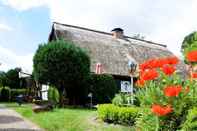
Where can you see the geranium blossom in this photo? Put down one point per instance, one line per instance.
(150, 74)
(194, 75)
(140, 83)
(158, 63)
(168, 69)
(192, 56)
(161, 110)
(172, 91)
(173, 60)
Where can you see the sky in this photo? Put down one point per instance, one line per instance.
(24, 24)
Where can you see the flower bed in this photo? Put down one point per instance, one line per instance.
(166, 101)
(167, 96)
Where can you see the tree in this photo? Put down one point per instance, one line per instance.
(63, 65)
(189, 43)
(13, 80)
(3, 79)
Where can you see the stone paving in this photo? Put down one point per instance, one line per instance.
(10, 120)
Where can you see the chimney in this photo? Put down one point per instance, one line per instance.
(118, 33)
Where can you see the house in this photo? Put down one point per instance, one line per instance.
(111, 50)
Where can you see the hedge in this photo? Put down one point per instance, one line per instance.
(5, 94)
(103, 87)
(115, 114)
(16, 92)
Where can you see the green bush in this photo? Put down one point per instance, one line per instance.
(125, 100)
(103, 88)
(115, 114)
(5, 94)
(65, 66)
(16, 92)
(53, 95)
(191, 121)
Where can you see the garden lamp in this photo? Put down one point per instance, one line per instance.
(132, 68)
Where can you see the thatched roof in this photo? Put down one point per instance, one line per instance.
(110, 52)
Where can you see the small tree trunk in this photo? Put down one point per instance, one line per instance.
(61, 93)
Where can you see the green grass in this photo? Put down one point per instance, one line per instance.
(67, 119)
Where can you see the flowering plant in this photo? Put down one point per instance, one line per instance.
(164, 92)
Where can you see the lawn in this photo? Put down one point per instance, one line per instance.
(67, 119)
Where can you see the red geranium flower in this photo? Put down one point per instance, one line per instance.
(173, 60)
(194, 75)
(140, 82)
(149, 74)
(161, 110)
(149, 64)
(168, 69)
(192, 56)
(171, 91)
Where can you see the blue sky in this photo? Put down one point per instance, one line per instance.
(28, 28)
(26, 23)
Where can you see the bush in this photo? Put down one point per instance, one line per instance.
(5, 94)
(53, 95)
(124, 100)
(103, 88)
(191, 121)
(16, 92)
(115, 114)
(65, 66)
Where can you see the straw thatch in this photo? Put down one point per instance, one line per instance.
(110, 52)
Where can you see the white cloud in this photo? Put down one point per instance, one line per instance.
(9, 60)
(22, 5)
(4, 27)
(163, 21)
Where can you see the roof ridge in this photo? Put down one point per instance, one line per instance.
(106, 33)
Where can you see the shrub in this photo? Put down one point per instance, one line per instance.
(53, 95)
(5, 94)
(191, 121)
(103, 88)
(16, 92)
(124, 100)
(65, 66)
(116, 114)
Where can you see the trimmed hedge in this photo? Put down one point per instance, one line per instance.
(115, 114)
(5, 94)
(16, 92)
(103, 87)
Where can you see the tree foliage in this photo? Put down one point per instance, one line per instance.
(3, 79)
(10, 78)
(13, 80)
(189, 43)
(61, 64)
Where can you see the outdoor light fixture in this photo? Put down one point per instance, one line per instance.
(90, 95)
(132, 68)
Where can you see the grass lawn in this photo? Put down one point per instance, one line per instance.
(67, 119)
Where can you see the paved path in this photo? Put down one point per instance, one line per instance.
(10, 120)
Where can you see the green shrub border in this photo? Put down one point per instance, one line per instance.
(118, 115)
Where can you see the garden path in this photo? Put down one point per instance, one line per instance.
(10, 120)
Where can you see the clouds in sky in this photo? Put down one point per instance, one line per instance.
(162, 21)
(4, 27)
(11, 60)
(22, 5)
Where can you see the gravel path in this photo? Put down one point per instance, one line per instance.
(10, 120)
